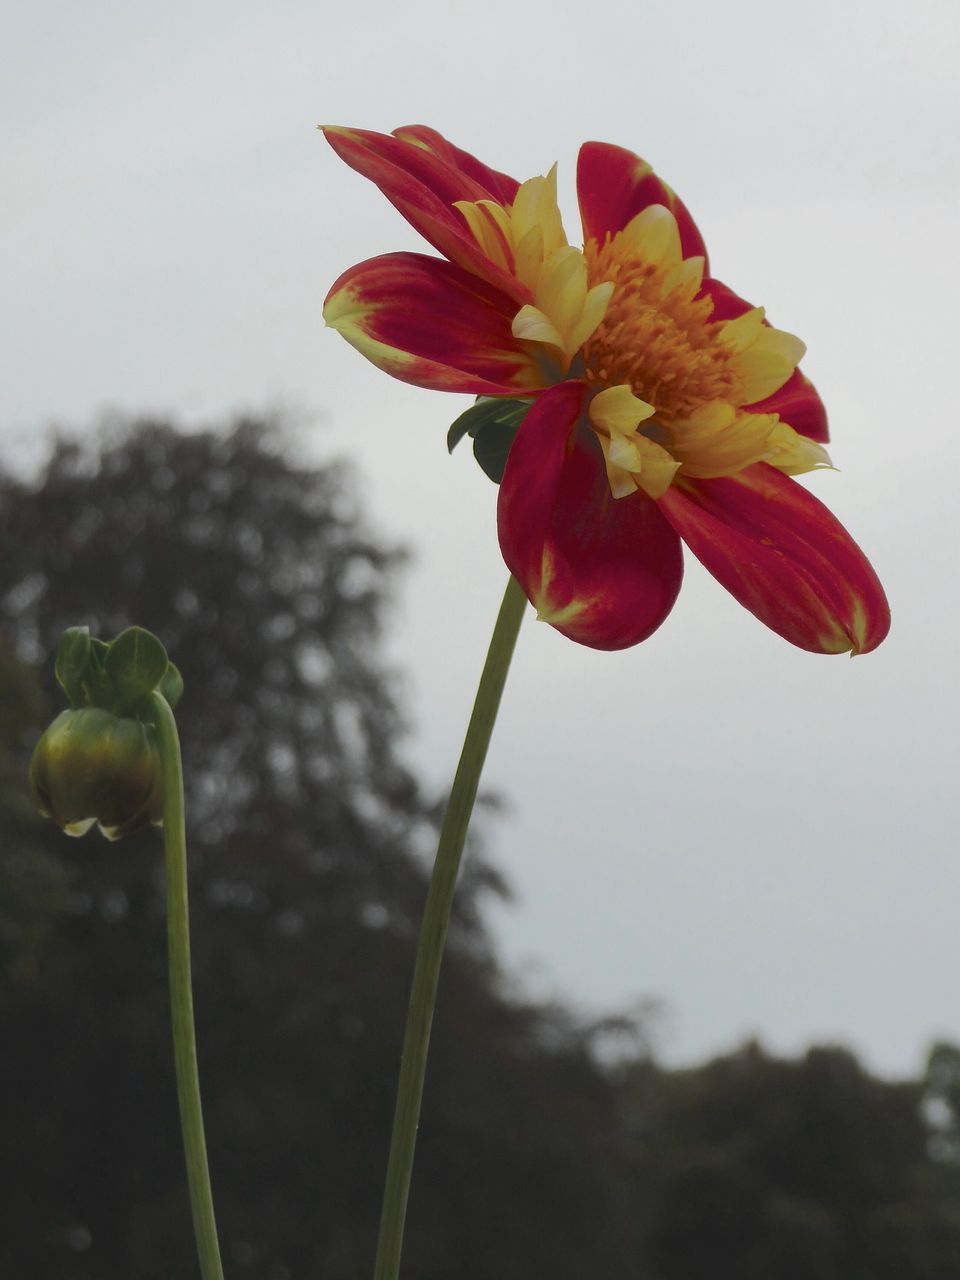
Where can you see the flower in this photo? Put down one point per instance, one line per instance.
(662, 407)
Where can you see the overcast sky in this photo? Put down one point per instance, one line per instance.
(763, 839)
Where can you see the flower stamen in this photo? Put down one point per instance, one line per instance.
(658, 339)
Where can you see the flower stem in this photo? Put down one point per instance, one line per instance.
(433, 931)
(181, 995)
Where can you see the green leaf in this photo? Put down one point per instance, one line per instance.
(98, 691)
(73, 655)
(488, 411)
(492, 423)
(171, 686)
(491, 446)
(98, 652)
(135, 663)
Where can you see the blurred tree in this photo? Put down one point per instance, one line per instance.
(307, 838)
(306, 832)
(803, 1170)
(34, 881)
(942, 1101)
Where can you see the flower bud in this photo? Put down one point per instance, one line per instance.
(94, 766)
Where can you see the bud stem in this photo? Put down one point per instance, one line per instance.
(433, 931)
(181, 994)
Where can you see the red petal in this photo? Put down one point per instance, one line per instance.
(784, 557)
(423, 187)
(727, 305)
(604, 571)
(431, 323)
(798, 404)
(501, 186)
(614, 185)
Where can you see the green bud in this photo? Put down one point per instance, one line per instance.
(92, 766)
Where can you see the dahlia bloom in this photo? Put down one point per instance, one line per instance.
(662, 407)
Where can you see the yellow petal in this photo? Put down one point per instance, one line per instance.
(562, 291)
(528, 257)
(683, 280)
(717, 440)
(633, 461)
(743, 331)
(778, 342)
(535, 205)
(654, 234)
(763, 369)
(794, 454)
(594, 309)
(622, 481)
(617, 410)
(765, 357)
(531, 325)
(80, 827)
(657, 468)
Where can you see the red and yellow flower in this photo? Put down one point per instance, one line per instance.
(663, 406)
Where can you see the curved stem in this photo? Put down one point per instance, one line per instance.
(181, 994)
(433, 931)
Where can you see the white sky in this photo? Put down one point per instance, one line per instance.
(761, 838)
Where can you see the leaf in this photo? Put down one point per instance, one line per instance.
(73, 656)
(98, 652)
(135, 663)
(97, 689)
(488, 411)
(492, 423)
(171, 686)
(491, 446)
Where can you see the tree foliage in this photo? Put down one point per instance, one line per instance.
(805, 1170)
(308, 834)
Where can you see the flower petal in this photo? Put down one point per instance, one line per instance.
(766, 357)
(604, 571)
(431, 323)
(727, 305)
(424, 187)
(783, 555)
(799, 405)
(501, 186)
(797, 402)
(614, 185)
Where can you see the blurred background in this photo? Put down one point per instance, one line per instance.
(699, 857)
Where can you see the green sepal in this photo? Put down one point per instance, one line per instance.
(491, 446)
(492, 423)
(171, 686)
(117, 677)
(97, 689)
(73, 655)
(135, 664)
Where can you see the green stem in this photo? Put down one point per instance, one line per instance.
(181, 994)
(433, 931)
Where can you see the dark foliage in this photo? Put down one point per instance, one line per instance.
(803, 1170)
(306, 832)
(307, 839)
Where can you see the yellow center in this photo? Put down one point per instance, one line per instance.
(670, 382)
(655, 337)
